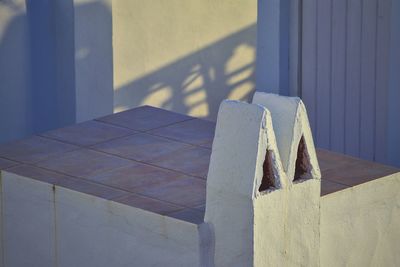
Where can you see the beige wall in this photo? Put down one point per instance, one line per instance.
(184, 56)
(360, 225)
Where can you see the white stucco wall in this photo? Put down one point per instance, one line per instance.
(360, 225)
(46, 225)
(286, 224)
(186, 56)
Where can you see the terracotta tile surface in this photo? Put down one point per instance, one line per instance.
(201, 208)
(189, 215)
(95, 189)
(83, 163)
(207, 145)
(195, 131)
(144, 118)
(141, 147)
(5, 163)
(67, 181)
(39, 174)
(348, 170)
(331, 160)
(192, 160)
(149, 204)
(160, 171)
(33, 149)
(328, 187)
(186, 191)
(135, 175)
(88, 133)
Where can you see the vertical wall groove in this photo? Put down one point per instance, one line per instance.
(330, 76)
(344, 74)
(346, 28)
(375, 74)
(359, 95)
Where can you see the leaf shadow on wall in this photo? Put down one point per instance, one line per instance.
(196, 84)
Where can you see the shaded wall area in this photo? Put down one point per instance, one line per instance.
(36, 74)
(55, 64)
(15, 95)
(93, 56)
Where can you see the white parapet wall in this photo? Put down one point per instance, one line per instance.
(272, 206)
(263, 208)
(360, 226)
(299, 160)
(244, 139)
(46, 225)
(294, 136)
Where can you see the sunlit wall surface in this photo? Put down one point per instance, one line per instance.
(185, 56)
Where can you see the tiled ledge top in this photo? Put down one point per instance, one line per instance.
(149, 158)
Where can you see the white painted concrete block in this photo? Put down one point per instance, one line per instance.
(96, 232)
(360, 225)
(28, 222)
(243, 136)
(291, 125)
(297, 150)
(251, 225)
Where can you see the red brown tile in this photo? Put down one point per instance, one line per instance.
(328, 187)
(83, 163)
(192, 160)
(111, 170)
(135, 175)
(207, 145)
(144, 118)
(69, 182)
(189, 215)
(332, 160)
(88, 133)
(357, 173)
(187, 191)
(201, 208)
(149, 204)
(195, 131)
(94, 189)
(141, 147)
(39, 174)
(34, 149)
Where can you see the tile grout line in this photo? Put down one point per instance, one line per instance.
(129, 128)
(101, 184)
(87, 146)
(34, 164)
(93, 148)
(180, 141)
(147, 163)
(201, 145)
(335, 182)
(102, 152)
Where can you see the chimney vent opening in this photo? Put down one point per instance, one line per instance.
(303, 165)
(268, 179)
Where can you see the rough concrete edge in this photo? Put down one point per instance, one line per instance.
(300, 128)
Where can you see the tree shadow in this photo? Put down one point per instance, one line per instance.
(196, 84)
(43, 57)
